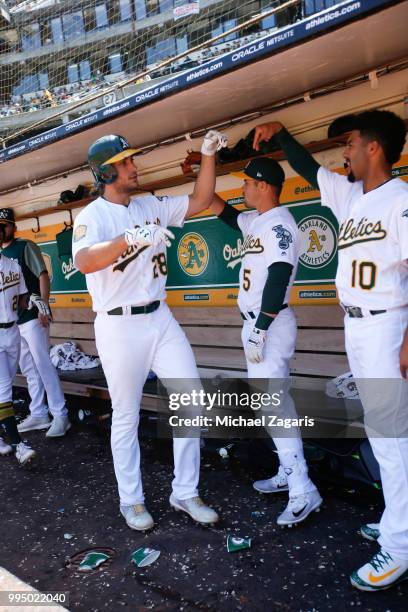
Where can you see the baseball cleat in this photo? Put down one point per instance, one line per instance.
(370, 531)
(59, 427)
(382, 572)
(276, 484)
(5, 449)
(31, 423)
(196, 508)
(137, 517)
(299, 508)
(24, 454)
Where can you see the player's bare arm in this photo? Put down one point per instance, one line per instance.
(264, 132)
(298, 157)
(100, 256)
(103, 254)
(23, 300)
(204, 187)
(44, 281)
(404, 356)
(217, 205)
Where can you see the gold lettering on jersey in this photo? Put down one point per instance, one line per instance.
(131, 253)
(234, 255)
(9, 280)
(251, 245)
(352, 232)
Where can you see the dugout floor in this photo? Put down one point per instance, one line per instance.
(72, 490)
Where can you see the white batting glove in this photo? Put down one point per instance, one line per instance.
(213, 142)
(43, 308)
(148, 235)
(255, 345)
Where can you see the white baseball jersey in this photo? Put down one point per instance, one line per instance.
(11, 286)
(139, 276)
(268, 238)
(372, 271)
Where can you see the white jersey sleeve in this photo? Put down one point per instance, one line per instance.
(245, 219)
(281, 244)
(172, 210)
(402, 229)
(86, 230)
(334, 190)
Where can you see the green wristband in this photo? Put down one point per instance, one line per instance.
(264, 321)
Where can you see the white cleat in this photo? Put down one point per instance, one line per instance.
(299, 508)
(137, 517)
(24, 454)
(276, 484)
(196, 508)
(381, 572)
(59, 427)
(31, 423)
(370, 531)
(5, 449)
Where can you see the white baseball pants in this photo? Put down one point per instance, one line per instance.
(279, 349)
(373, 345)
(36, 366)
(129, 346)
(9, 353)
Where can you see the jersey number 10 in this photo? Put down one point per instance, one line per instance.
(366, 271)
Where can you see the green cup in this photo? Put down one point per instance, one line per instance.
(145, 556)
(234, 543)
(91, 561)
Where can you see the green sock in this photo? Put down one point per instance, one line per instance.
(8, 420)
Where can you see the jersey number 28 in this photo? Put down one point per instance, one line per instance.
(159, 265)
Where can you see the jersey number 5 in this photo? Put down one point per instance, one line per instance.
(366, 272)
(159, 265)
(246, 280)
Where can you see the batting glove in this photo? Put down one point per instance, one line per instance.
(255, 345)
(213, 142)
(148, 235)
(43, 308)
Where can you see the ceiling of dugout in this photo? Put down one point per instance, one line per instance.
(351, 50)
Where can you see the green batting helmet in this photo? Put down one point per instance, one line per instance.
(105, 152)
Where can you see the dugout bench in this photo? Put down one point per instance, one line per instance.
(215, 336)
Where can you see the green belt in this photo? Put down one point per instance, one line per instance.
(6, 325)
(134, 310)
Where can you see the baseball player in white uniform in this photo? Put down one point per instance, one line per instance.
(269, 262)
(119, 243)
(372, 281)
(13, 295)
(35, 361)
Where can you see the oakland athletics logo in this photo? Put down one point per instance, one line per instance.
(318, 240)
(193, 254)
(284, 236)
